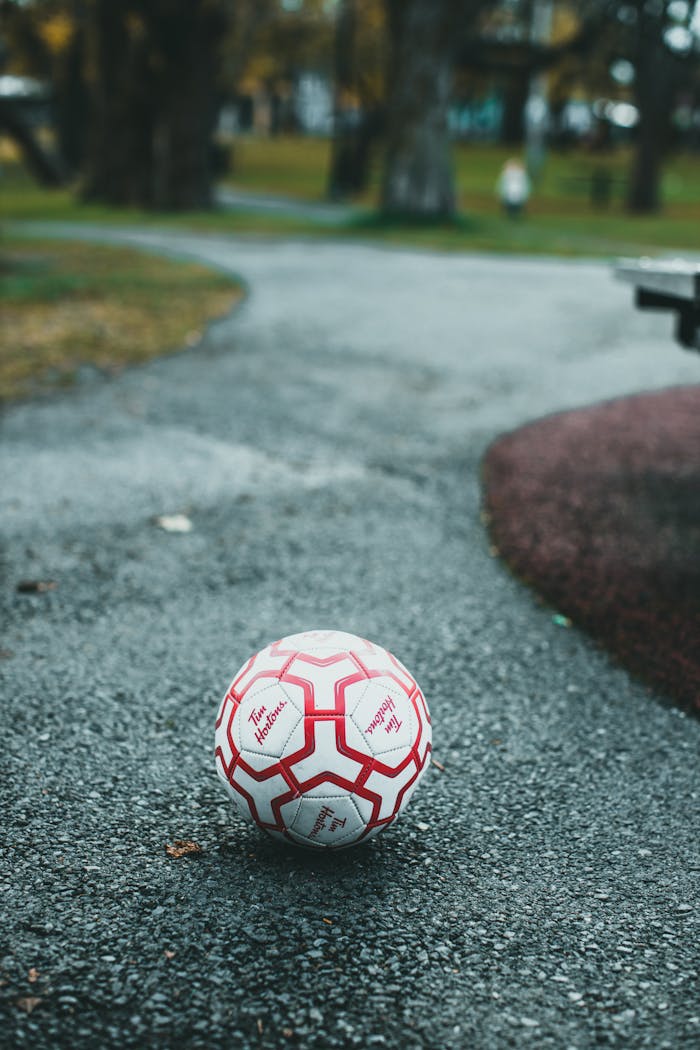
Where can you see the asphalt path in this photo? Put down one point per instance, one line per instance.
(326, 214)
(542, 888)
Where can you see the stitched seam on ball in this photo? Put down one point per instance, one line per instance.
(324, 798)
(300, 713)
(285, 667)
(349, 714)
(377, 754)
(399, 747)
(289, 823)
(270, 754)
(387, 751)
(274, 684)
(355, 831)
(395, 690)
(291, 734)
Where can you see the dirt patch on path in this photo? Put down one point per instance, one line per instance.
(599, 511)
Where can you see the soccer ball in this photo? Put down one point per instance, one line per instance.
(321, 739)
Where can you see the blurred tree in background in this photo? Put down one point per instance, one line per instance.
(136, 85)
(659, 44)
(153, 72)
(424, 36)
(135, 89)
(269, 45)
(360, 74)
(46, 40)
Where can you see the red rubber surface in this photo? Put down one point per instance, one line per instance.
(599, 511)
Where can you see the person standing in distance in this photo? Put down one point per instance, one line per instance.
(513, 188)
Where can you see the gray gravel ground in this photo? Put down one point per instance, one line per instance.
(325, 441)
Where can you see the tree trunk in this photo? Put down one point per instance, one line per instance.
(418, 178)
(71, 100)
(154, 108)
(353, 139)
(654, 91)
(343, 174)
(514, 102)
(357, 122)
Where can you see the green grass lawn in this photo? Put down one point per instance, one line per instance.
(560, 219)
(67, 305)
(297, 167)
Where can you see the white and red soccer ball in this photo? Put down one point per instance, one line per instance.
(322, 738)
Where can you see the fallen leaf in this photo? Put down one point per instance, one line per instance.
(174, 523)
(168, 954)
(29, 1003)
(287, 1033)
(260, 1026)
(32, 975)
(328, 922)
(36, 586)
(182, 847)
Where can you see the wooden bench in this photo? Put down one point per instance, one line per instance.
(667, 285)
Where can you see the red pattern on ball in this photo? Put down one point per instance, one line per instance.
(295, 667)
